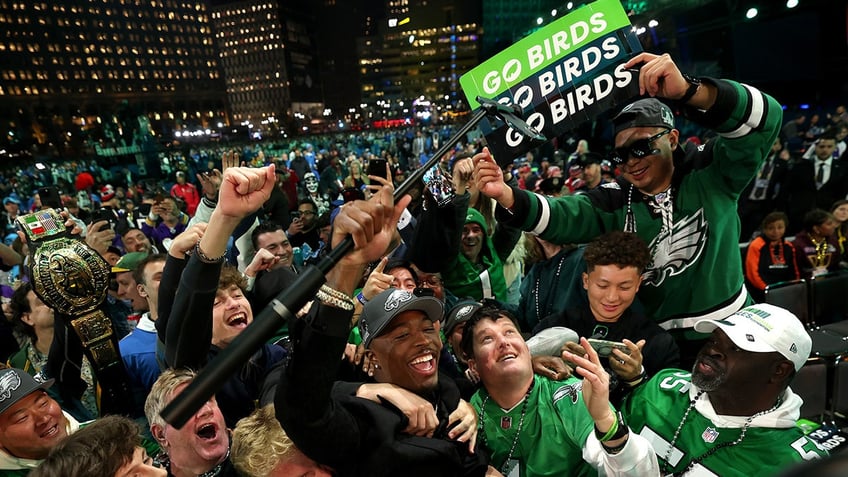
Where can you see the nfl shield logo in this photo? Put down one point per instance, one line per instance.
(710, 435)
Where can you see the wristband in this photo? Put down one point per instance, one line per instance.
(361, 298)
(617, 431)
(694, 84)
(204, 258)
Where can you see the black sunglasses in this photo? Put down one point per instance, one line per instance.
(638, 149)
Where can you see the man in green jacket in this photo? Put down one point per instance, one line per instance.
(680, 201)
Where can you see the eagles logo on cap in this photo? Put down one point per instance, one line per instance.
(397, 298)
(9, 382)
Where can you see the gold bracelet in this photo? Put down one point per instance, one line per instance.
(333, 300)
(335, 293)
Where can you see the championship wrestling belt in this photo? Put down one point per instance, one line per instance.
(72, 278)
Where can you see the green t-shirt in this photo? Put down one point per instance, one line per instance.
(555, 428)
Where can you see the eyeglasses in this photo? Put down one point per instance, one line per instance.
(306, 212)
(638, 149)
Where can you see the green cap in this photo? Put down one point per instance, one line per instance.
(129, 262)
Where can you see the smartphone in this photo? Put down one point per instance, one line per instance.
(107, 214)
(604, 347)
(377, 167)
(50, 198)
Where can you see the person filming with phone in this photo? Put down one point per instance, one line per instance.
(636, 347)
(303, 228)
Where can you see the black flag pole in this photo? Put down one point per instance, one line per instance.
(213, 376)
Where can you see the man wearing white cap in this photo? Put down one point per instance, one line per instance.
(734, 414)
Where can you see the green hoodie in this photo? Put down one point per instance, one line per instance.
(486, 280)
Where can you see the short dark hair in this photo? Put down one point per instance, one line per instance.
(773, 217)
(623, 249)
(487, 312)
(100, 448)
(264, 227)
(138, 273)
(307, 201)
(816, 217)
(20, 305)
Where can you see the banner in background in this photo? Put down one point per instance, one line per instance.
(564, 74)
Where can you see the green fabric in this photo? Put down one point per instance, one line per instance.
(699, 269)
(657, 408)
(556, 426)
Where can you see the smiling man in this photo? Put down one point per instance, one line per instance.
(680, 201)
(361, 430)
(31, 422)
(534, 426)
(734, 414)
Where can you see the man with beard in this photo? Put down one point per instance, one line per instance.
(303, 228)
(734, 414)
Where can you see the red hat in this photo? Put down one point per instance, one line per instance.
(83, 181)
(107, 192)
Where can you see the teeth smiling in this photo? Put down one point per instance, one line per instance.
(241, 317)
(422, 359)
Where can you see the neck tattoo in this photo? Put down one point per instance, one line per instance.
(666, 466)
(482, 431)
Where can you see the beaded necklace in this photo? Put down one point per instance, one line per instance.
(666, 466)
(482, 425)
(553, 287)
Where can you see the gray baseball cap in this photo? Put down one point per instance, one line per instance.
(383, 308)
(648, 112)
(16, 384)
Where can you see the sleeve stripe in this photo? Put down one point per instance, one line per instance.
(756, 116)
(544, 215)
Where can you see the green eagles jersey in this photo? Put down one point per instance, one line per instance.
(554, 430)
(696, 268)
(771, 443)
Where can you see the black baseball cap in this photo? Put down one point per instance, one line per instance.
(383, 308)
(648, 112)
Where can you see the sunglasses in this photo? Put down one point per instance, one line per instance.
(638, 149)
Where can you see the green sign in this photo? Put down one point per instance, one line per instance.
(541, 49)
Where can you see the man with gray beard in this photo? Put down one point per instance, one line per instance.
(734, 414)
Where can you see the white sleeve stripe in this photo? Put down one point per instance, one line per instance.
(545, 218)
(754, 119)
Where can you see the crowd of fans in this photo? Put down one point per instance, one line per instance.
(532, 317)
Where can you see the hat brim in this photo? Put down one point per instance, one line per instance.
(428, 305)
(737, 333)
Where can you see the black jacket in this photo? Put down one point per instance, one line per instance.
(355, 436)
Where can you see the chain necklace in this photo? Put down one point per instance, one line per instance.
(666, 465)
(482, 430)
(552, 288)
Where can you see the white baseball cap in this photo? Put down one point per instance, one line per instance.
(763, 328)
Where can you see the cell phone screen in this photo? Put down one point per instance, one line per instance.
(377, 167)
